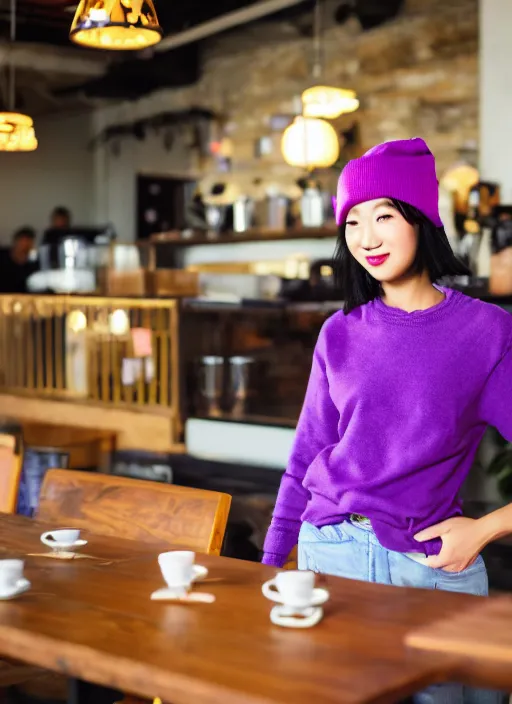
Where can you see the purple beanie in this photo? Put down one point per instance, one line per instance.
(405, 170)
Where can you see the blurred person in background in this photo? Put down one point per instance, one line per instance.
(15, 264)
(60, 224)
(60, 218)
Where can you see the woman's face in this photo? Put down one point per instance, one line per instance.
(381, 240)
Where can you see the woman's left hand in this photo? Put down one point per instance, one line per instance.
(463, 540)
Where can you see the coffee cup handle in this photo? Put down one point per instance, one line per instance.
(269, 592)
(45, 538)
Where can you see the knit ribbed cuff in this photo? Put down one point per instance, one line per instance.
(281, 538)
(274, 559)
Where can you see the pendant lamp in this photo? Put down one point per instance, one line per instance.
(118, 25)
(328, 102)
(310, 143)
(16, 130)
(323, 101)
(17, 133)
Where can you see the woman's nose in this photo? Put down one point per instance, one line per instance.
(369, 239)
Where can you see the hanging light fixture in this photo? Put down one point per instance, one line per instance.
(310, 143)
(16, 130)
(119, 25)
(328, 102)
(323, 101)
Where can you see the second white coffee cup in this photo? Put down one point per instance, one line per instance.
(178, 569)
(12, 580)
(62, 538)
(294, 588)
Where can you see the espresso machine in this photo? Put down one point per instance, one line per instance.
(69, 260)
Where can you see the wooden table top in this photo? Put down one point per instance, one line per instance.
(93, 619)
(484, 631)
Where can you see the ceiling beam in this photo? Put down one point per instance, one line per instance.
(44, 58)
(225, 22)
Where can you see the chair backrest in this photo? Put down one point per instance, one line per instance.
(151, 512)
(11, 463)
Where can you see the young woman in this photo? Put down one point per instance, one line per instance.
(403, 384)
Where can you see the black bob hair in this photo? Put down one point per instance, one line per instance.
(434, 254)
(26, 231)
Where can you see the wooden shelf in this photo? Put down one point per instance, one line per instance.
(251, 419)
(265, 308)
(256, 235)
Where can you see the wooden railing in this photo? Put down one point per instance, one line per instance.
(110, 351)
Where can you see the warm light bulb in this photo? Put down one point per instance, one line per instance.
(17, 133)
(459, 180)
(119, 322)
(310, 143)
(77, 321)
(328, 102)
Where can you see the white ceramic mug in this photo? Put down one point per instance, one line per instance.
(177, 568)
(11, 575)
(293, 588)
(63, 538)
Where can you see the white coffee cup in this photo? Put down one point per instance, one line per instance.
(293, 588)
(177, 568)
(63, 538)
(11, 575)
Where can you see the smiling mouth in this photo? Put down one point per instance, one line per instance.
(377, 261)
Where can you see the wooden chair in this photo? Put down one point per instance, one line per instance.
(105, 504)
(11, 463)
(150, 512)
(85, 447)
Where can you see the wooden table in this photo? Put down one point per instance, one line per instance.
(483, 631)
(93, 620)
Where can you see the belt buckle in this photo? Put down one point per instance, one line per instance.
(357, 518)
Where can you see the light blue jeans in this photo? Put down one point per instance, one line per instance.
(352, 550)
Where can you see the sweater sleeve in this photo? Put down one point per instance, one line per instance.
(496, 399)
(317, 432)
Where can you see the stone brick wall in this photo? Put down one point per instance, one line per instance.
(416, 75)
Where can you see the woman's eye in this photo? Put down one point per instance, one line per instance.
(384, 217)
(351, 223)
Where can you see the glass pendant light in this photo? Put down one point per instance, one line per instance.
(118, 25)
(16, 130)
(17, 133)
(323, 101)
(310, 143)
(328, 102)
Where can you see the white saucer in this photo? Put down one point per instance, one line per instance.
(68, 547)
(22, 586)
(200, 572)
(287, 618)
(166, 594)
(181, 592)
(319, 597)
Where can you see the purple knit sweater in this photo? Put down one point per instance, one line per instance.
(396, 406)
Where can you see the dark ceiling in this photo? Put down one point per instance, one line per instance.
(48, 21)
(128, 78)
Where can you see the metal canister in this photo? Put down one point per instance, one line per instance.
(243, 214)
(277, 212)
(312, 208)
